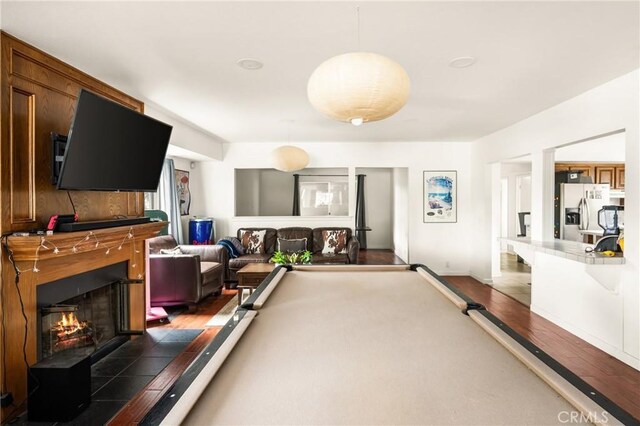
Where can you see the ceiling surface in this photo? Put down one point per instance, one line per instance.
(181, 56)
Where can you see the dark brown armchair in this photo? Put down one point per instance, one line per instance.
(186, 276)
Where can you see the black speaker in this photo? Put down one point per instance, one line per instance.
(59, 387)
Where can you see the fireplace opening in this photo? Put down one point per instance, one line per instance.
(84, 313)
(85, 321)
(81, 319)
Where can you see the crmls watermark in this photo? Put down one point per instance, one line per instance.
(577, 417)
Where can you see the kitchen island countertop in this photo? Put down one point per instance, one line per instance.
(572, 250)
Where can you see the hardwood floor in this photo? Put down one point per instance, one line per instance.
(611, 377)
(378, 257)
(614, 379)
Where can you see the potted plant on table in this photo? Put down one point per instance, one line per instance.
(280, 258)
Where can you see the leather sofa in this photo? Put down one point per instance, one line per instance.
(186, 276)
(315, 244)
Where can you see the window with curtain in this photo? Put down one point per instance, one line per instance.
(269, 192)
(324, 198)
(168, 199)
(150, 200)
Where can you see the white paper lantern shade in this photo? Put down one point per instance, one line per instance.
(289, 158)
(359, 87)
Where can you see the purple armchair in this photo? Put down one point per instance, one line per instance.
(186, 276)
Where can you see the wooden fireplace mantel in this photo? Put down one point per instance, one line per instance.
(42, 247)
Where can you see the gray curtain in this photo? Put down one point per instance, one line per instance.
(361, 223)
(168, 199)
(296, 195)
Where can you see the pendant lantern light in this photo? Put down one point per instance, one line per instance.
(358, 87)
(289, 158)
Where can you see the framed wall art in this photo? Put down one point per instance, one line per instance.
(440, 201)
(184, 195)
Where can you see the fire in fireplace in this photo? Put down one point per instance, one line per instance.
(83, 311)
(68, 332)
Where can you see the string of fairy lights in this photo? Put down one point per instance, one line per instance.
(91, 240)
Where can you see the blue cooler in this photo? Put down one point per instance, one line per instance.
(201, 231)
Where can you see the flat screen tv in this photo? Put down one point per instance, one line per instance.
(112, 148)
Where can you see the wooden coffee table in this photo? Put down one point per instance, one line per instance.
(251, 276)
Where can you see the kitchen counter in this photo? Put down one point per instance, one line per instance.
(584, 293)
(571, 250)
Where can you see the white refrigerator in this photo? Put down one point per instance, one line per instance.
(579, 205)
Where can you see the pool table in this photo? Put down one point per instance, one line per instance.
(351, 344)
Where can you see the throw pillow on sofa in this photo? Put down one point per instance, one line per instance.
(253, 241)
(335, 241)
(292, 246)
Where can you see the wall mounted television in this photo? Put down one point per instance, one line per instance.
(112, 148)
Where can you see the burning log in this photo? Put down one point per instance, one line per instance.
(68, 333)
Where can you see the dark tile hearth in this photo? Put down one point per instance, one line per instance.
(166, 349)
(147, 366)
(182, 335)
(121, 388)
(98, 382)
(123, 373)
(110, 366)
(97, 414)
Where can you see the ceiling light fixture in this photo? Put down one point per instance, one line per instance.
(250, 64)
(462, 62)
(288, 158)
(358, 87)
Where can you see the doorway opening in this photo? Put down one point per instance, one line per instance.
(514, 277)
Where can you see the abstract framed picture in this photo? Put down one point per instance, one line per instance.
(184, 195)
(440, 201)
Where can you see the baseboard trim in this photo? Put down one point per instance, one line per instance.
(482, 280)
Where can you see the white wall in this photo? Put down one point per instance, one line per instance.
(187, 137)
(401, 213)
(608, 149)
(378, 190)
(607, 108)
(433, 244)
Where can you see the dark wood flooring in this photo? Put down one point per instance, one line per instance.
(378, 257)
(611, 377)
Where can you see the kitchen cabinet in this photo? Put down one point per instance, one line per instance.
(613, 174)
(606, 174)
(586, 170)
(619, 178)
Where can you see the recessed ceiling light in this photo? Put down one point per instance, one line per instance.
(250, 64)
(462, 62)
